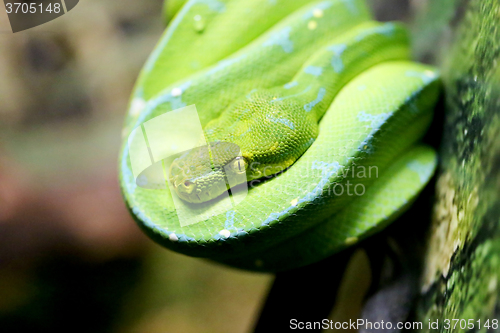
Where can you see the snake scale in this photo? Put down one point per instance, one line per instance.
(318, 107)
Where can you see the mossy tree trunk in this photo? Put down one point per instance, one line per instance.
(462, 266)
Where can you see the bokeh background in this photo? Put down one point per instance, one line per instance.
(71, 257)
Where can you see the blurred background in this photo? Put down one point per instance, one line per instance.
(70, 254)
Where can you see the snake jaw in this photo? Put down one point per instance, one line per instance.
(197, 188)
(207, 172)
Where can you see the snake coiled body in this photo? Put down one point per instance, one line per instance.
(326, 111)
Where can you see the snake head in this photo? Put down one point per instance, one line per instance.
(204, 173)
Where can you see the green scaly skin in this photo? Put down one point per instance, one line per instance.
(274, 127)
(317, 89)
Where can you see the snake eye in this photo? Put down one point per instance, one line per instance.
(238, 165)
(188, 186)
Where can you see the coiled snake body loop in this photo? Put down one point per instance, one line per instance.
(314, 103)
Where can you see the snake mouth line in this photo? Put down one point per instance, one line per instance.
(207, 172)
(189, 189)
(197, 190)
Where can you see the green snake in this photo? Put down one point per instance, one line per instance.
(316, 105)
